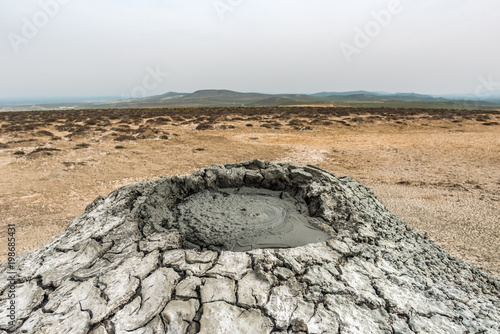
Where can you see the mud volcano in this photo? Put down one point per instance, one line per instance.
(253, 247)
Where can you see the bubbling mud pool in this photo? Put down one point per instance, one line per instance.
(246, 218)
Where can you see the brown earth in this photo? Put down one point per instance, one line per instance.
(437, 169)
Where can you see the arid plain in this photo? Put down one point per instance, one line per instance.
(439, 170)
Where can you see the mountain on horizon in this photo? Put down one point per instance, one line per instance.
(356, 92)
(230, 98)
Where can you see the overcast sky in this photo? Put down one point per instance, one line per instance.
(127, 47)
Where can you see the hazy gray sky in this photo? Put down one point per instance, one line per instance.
(104, 48)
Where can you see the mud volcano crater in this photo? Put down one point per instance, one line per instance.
(239, 209)
(241, 219)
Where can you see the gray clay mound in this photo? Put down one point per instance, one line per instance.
(253, 247)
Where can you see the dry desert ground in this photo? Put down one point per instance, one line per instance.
(439, 170)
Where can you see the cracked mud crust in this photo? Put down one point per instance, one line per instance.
(135, 262)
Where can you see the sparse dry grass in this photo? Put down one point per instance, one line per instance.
(438, 170)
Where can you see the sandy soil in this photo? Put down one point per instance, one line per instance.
(438, 171)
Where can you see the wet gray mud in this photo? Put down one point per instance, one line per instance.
(316, 254)
(242, 219)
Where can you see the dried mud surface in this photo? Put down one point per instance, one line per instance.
(117, 269)
(436, 169)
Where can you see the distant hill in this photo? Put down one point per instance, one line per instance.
(229, 98)
(362, 95)
(357, 92)
(274, 101)
(224, 94)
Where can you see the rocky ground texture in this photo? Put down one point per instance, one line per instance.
(119, 268)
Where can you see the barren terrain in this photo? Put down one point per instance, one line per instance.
(437, 169)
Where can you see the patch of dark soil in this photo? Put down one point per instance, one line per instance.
(125, 137)
(81, 145)
(44, 133)
(204, 126)
(44, 151)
